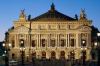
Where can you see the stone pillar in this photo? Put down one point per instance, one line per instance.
(89, 38)
(26, 42)
(49, 40)
(77, 39)
(68, 40)
(37, 40)
(29, 39)
(58, 41)
(15, 41)
(80, 40)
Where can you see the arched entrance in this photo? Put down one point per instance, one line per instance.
(72, 55)
(53, 55)
(43, 55)
(62, 54)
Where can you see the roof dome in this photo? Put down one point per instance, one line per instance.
(53, 15)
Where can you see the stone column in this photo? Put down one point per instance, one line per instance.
(58, 40)
(26, 42)
(77, 39)
(47, 43)
(68, 40)
(29, 40)
(15, 41)
(89, 38)
(80, 40)
(49, 40)
(37, 40)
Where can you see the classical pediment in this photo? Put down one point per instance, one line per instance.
(21, 28)
(85, 28)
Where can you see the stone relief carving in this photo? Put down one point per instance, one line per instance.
(21, 36)
(34, 36)
(62, 35)
(84, 28)
(21, 28)
(72, 35)
(52, 35)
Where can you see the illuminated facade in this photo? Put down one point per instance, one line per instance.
(51, 35)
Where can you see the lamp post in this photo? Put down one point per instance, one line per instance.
(7, 52)
(98, 49)
(22, 49)
(83, 52)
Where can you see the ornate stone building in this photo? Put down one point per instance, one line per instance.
(51, 35)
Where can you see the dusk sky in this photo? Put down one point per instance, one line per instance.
(11, 9)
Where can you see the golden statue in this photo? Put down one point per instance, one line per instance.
(83, 15)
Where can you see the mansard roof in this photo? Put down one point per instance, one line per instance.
(53, 15)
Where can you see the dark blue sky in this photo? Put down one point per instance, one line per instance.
(11, 9)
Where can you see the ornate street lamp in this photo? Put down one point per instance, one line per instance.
(83, 52)
(22, 49)
(98, 49)
(7, 52)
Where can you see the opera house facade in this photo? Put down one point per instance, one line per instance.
(52, 35)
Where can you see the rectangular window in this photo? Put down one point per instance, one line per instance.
(72, 42)
(43, 42)
(53, 43)
(62, 43)
(33, 43)
(13, 44)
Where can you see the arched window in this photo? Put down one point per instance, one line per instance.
(71, 55)
(53, 43)
(33, 43)
(43, 54)
(53, 55)
(62, 54)
(72, 43)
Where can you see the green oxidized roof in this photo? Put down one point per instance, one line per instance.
(53, 15)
